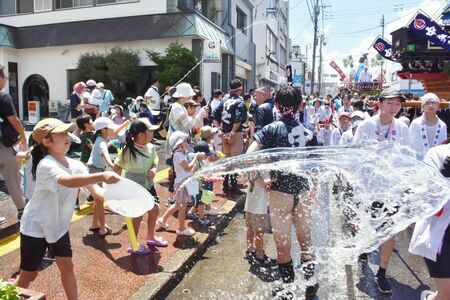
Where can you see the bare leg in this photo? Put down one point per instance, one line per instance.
(99, 210)
(259, 244)
(25, 278)
(95, 223)
(201, 211)
(250, 240)
(386, 252)
(182, 216)
(302, 223)
(281, 216)
(151, 222)
(137, 224)
(170, 211)
(69, 282)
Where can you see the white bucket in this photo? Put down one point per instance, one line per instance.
(128, 198)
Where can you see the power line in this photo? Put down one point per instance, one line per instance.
(301, 1)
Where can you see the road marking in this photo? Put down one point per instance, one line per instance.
(12, 242)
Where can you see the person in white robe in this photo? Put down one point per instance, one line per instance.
(384, 127)
(428, 130)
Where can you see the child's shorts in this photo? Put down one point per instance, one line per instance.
(32, 250)
(256, 222)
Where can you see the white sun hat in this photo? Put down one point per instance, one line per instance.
(176, 139)
(184, 89)
(104, 122)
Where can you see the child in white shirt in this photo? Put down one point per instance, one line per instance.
(47, 216)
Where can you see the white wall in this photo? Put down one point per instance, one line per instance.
(206, 70)
(242, 39)
(52, 63)
(142, 7)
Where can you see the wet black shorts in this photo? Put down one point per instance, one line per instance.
(441, 267)
(32, 250)
(288, 183)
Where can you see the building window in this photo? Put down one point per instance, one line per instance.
(241, 20)
(63, 4)
(73, 3)
(113, 1)
(24, 6)
(83, 2)
(40, 5)
(271, 44)
(7, 7)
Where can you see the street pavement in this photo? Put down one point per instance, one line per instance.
(223, 273)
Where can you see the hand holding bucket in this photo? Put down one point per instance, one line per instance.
(129, 199)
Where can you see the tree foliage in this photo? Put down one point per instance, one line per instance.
(348, 61)
(174, 65)
(115, 68)
(377, 61)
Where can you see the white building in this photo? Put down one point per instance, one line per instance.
(235, 17)
(271, 30)
(41, 41)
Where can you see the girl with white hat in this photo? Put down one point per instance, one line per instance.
(427, 130)
(183, 168)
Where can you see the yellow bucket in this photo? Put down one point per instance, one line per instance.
(207, 197)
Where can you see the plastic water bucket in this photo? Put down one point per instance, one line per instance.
(127, 198)
(207, 196)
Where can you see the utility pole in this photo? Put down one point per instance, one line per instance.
(319, 73)
(305, 68)
(382, 62)
(316, 14)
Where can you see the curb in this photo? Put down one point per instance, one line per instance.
(9, 230)
(161, 284)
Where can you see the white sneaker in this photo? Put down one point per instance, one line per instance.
(212, 211)
(188, 231)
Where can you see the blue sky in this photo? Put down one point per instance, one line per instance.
(350, 26)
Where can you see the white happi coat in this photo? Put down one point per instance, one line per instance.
(370, 129)
(429, 233)
(336, 135)
(419, 136)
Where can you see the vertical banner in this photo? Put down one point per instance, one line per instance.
(423, 26)
(211, 51)
(289, 73)
(384, 48)
(334, 65)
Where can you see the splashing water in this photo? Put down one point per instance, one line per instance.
(363, 196)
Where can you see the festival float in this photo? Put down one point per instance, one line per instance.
(423, 50)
